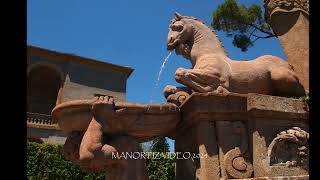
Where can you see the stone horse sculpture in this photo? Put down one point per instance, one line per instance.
(213, 71)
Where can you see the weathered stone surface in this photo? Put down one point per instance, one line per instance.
(234, 152)
(50, 136)
(176, 95)
(236, 166)
(99, 128)
(277, 107)
(213, 71)
(290, 148)
(277, 6)
(211, 107)
(289, 20)
(245, 126)
(208, 167)
(186, 167)
(304, 177)
(81, 77)
(200, 143)
(142, 121)
(269, 116)
(264, 132)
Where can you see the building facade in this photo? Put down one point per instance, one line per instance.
(54, 77)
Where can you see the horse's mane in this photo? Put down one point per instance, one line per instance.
(196, 19)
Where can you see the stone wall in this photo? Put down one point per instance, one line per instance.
(81, 78)
(50, 136)
(83, 81)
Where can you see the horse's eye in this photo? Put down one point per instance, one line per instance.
(177, 28)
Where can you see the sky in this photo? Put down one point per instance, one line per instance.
(130, 33)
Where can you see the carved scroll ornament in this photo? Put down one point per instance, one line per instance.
(290, 148)
(236, 165)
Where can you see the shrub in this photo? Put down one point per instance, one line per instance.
(45, 162)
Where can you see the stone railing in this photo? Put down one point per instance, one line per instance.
(36, 118)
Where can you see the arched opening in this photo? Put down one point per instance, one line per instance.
(44, 83)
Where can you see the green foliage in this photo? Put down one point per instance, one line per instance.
(161, 168)
(241, 22)
(45, 162)
(242, 41)
(160, 145)
(305, 98)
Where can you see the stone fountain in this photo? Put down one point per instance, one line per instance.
(232, 117)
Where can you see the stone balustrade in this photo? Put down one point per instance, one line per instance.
(44, 121)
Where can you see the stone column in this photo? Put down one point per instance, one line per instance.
(197, 151)
(289, 20)
(185, 168)
(206, 141)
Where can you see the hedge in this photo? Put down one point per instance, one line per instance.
(45, 162)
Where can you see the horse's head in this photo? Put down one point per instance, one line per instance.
(179, 33)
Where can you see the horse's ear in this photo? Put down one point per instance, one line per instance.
(177, 16)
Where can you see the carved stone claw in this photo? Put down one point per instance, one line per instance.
(178, 98)
(169, 90)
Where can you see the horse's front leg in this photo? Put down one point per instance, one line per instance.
(201, 80)
(196, 79)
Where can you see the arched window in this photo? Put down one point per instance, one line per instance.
(44, 83)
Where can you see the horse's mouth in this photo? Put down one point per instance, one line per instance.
(172, 45)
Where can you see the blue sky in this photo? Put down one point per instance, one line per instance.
(127, 32)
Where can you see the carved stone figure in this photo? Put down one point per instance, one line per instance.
(213, 71)
(273, 6)
(101, 133)
(95, 151)
(289, 20)
(290, 148)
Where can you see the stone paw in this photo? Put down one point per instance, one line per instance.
(169, 90)
(103, 106)
(178, 98)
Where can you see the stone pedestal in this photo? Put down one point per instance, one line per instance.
(289, 20)
(197, 153)
(278, 128)
(242, 136)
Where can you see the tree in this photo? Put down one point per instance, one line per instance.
(245, 24)
(160, 144)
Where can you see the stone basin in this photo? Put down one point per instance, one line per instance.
(141, 121)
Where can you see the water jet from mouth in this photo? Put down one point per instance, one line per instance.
(159, 75)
